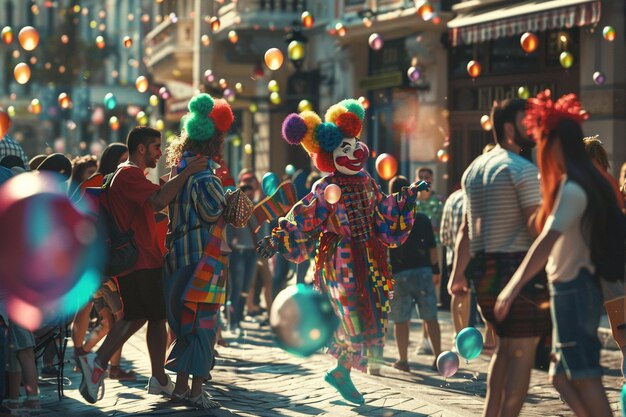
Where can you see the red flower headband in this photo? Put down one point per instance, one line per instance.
(543, 115)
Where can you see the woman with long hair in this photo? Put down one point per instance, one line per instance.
(577, 212)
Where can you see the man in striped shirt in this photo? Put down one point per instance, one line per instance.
(501, 194)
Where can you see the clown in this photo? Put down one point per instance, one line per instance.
(352, 231)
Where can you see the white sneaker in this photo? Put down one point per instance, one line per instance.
(93, 375)
(424, 348)
(204, 401)
(155, 388)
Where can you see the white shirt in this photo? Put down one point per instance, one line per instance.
(497, 187)
(571, 251)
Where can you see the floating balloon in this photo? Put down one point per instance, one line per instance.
(469, 343)
(247, 148)
(443, 155)
(275, 98)
(305, 105)
(522, 93)
(159, 125)
(51, 249)
(341, 29)
(229, 94)
(302, 320)
(223, 83)
(598, 78)
(35, 106)
(142, 118)
(127, 41)
(529, 42)
(142, 84)
(270, 183)
(424, 10)
(290, 170)
(253, 108)
(153, 100)
(386, 166)
(272, 86)
(206, 41)
(5, 123)
(367, 22)
(608, 33)
(375, 42)
(413, 73)
(22, 72)
(114, 123)
(233, 37)
(332, 193)
(28, 38)
(64, 101)
(97, 116)
(215, 24)
(274, 58)
(208, 75)
(164, 93)
(485, 122)
(295, 50)
(7, 35)
(239, 88)
(100, 43)
(364, 102)
(447, 364)
(307, 20)
(110, 102)
(473, 68)
(566, 59)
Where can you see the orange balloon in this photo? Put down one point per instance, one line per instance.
(142, 84)
(5, 123)
(28, 37)
(386, 166)
(274, 58)
(485, 122)
(529, 42)
(21, 73)
(473, 68)
(332, 193)
(64, 101)
(35, 106)
(7, 35)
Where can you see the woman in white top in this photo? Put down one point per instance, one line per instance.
(577, 212)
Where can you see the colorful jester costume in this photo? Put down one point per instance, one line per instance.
(353, 235)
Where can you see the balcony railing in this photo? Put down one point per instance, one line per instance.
(273, 14)
(169, 38)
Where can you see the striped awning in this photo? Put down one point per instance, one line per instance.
(527, 16)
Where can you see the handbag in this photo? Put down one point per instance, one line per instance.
(238, 208)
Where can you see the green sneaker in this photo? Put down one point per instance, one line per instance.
(339, 378)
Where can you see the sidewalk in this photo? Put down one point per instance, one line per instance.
(257, 379)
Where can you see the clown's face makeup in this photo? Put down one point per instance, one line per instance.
(350, 156)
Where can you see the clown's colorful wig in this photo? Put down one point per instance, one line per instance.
(320, 139)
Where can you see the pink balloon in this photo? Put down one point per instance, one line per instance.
(447, 363)
(332, 193)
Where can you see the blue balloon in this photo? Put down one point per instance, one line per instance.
(623, 402)
(469, 343)
(302, 319)
(290, 170)
(270, 183)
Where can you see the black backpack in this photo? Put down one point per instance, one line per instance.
(122, 252)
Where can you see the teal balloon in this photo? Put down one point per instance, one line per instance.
(110, 102)
(623, 401)
(270, 183)
(302, 320)
(290, 170)
(469, 343)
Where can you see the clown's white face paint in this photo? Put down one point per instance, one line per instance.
(350, 156)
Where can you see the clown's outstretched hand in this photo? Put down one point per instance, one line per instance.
(420, 186)
(267, 247)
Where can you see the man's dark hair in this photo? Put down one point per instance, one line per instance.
(425, 169)
(505, 112)
(141, 135)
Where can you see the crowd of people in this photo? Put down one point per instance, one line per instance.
(531, 244)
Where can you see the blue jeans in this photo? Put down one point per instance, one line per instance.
(242, 270)
(576, 307)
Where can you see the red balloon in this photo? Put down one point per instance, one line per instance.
(386, 166)
(529, 42)
(5, 123)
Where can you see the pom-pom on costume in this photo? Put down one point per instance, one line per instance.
(353, 235)
(195, 282)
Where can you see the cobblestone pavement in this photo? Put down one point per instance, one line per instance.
(255, 378)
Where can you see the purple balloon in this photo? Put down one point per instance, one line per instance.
(414, 74)
(447, 363)
(598, 78)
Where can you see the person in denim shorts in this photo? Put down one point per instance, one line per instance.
(415, 267)
(579, 241)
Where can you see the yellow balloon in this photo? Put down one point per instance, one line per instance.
(160, 124)
(142, 84)
(154, 100)
(247, 148)
(566, 59)
(275, 98)
(295, 51)
(274, 58)
(305, 105)
(22, 73)
(28, 37)
(272, 86)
